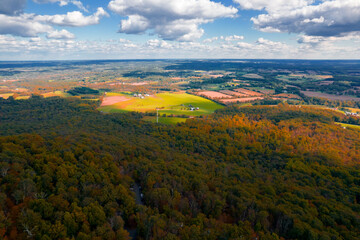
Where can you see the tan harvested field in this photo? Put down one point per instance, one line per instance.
(329, 96)
(15, 80)
(213, 94)
(297, 75)
(252, 75)
(267, 91)
(232, 93)
(311, 76)
(324, 76)
(214, 75)
(138, 83)
(114, 99)
(236, 80)
(50, 94)
(325, 83)
(287, 95)
(240, 100)
(248, 92)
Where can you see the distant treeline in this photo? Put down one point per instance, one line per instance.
(142, 75)
(83, 91)
(347, 67)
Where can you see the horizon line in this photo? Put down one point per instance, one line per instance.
(184, 59)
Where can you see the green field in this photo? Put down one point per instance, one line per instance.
(56, 94)
(112, 94)
(167, 103)
(324, 107)
(349, 125)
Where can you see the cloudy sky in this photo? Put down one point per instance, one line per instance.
(142, 29)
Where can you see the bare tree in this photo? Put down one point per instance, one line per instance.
(40, 195)
(29, 231)
(4, 168)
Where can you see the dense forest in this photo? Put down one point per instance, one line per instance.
(68, 171)
(83, 91)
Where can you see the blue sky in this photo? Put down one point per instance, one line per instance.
(141, 29)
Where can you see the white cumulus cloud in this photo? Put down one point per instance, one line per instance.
(266, 42)
(12, 7)
(123, 40)
(222, 38)
(325, 18)
(244, 45)
(135, 24)
(39, 48)
(234, 38)
(23, 26)
(31, 25)
(156, 43)
(73, 19)
(273, 6)
(171, 19)
(64, 3)
(62, 34)
(181, 30)
(210, 40)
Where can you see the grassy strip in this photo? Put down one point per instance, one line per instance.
(348, 125)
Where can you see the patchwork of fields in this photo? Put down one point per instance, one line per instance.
(239, 95)
(330, 96)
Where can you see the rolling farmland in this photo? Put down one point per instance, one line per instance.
(167, 103)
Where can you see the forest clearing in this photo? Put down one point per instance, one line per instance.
(177, 104)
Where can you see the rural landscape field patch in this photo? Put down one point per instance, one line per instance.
(166, 103)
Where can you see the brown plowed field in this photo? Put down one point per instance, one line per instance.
(248, 92)
(213, 94)
(112, 100)
(235, 100)
(232, 93)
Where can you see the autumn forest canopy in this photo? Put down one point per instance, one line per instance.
(179, 120)
(68, 172)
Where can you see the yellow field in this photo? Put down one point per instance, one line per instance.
(354, 110)
(6, 95)
(56, 94)
(22, 97)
